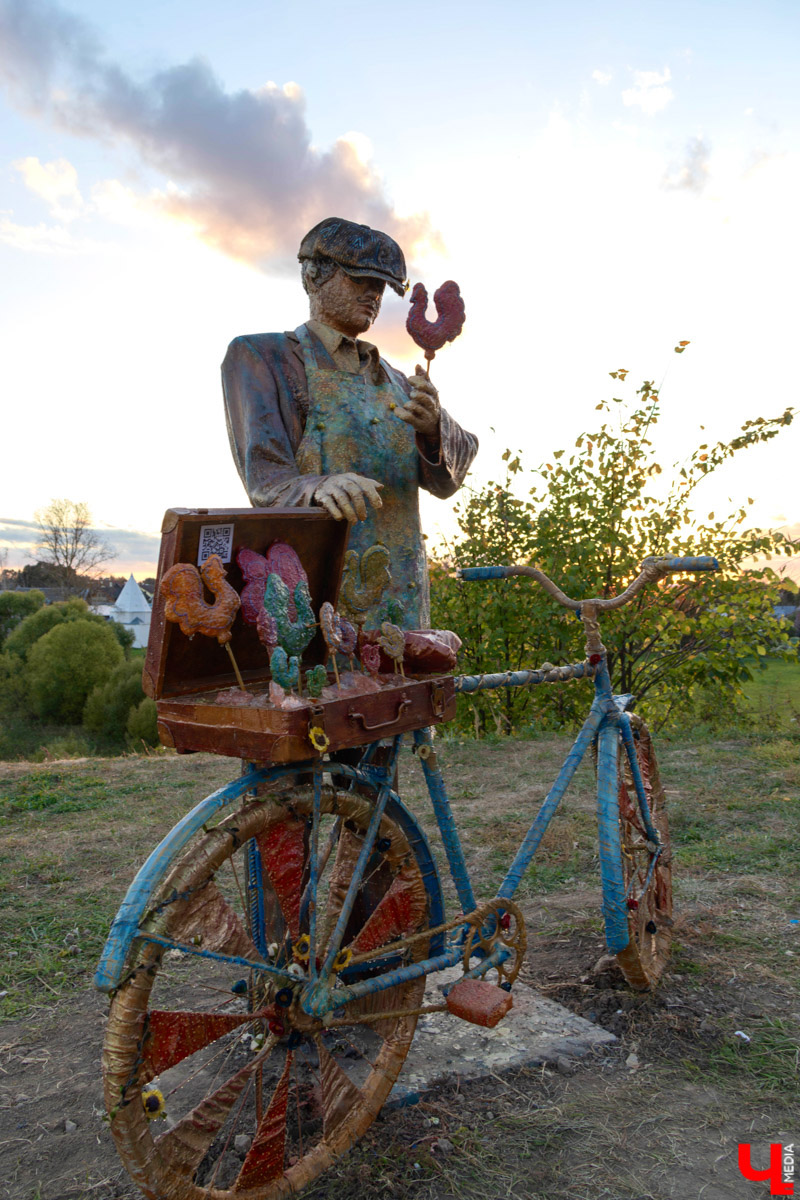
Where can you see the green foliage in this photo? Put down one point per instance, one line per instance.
(110, 703)
(14, 606)
(31, 628)
(142, 725)
(13, 685)
(588, 521)
(65, 665)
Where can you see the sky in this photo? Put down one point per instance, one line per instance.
(603, 181)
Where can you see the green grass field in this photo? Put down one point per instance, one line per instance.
(773, 694)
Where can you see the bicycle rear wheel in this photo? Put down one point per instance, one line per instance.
(258, 1097)
(647, 871)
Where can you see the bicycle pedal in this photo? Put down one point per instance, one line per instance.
(478, 1002)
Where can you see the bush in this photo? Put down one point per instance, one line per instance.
(66, 664)
(588, 522)
(142, 724)
(73, 745)
(13, 685)
(14, 606)
(110, 703)
(28, 631)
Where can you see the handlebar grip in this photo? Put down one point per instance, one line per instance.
(473, 573)
(670, 563)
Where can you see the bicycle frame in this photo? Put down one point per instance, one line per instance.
(607, 725)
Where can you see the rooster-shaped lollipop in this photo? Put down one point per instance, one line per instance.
(430, 336)
(184, 603)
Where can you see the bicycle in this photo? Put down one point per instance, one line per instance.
(322, 894)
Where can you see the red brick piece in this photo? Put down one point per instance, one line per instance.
(480, 1002)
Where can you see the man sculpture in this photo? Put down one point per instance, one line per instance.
(317, 417)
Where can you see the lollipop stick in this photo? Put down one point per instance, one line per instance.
(335, 669)
(235, 667)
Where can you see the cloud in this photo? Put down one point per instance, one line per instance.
(649, 91)
(240, 167)
(55, 182)
(134, 550)
(692, 174)
(602, 77)
(42, 239)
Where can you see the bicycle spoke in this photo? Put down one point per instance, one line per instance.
(398, 913)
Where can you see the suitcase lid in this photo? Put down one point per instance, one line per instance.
(175, 664)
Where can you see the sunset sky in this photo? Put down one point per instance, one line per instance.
(603, 181)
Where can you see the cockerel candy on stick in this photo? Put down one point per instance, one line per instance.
(184, 603)
(430, 336)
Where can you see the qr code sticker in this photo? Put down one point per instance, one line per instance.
(215, 539)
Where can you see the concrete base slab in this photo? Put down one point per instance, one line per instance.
(445, 1048)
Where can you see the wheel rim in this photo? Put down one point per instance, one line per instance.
(648, 886)
(244, 1063)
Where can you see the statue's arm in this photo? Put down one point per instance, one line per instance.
(262, 385)
(443, 473)
(445, 457)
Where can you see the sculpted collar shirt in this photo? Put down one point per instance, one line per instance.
(266, 403)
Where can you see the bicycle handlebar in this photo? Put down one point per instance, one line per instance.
(652, 568)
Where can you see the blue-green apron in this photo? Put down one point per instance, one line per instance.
(352, 426)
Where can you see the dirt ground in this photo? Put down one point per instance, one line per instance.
(654, 1116)
(658, 1115)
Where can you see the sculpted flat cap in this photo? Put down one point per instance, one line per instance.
(358, 249)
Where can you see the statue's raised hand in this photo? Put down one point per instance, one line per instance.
(422, 409)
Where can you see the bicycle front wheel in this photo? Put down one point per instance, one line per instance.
(647, 870)
(257, 1097)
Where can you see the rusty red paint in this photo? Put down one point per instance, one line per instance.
(399, 913)
(264, 1161)
(479, 1002)
(173, 1036)
(283, 856)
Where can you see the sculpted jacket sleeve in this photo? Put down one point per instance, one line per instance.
(266, 399)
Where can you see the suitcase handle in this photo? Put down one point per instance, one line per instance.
(402, 706)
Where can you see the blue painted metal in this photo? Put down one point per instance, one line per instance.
(125, 926)
(551, 801)
(480, 683)
(254, 890)
(671, 562)
(235, 959)
(358, 871)
(633, 762)
(126, 923)
(497, 956)
(423, 738)
(313, 868)
(320, 1001)
(615, 910)
(474, 573)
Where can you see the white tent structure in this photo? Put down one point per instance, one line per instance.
(133, 611)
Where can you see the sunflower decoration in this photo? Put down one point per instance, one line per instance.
(154, 1105)
(318, 738)
(301, 950)
(342, 960)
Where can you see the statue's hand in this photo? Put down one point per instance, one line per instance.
(345, 496)
(422, 408)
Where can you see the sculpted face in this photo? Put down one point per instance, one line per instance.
(347, 303)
